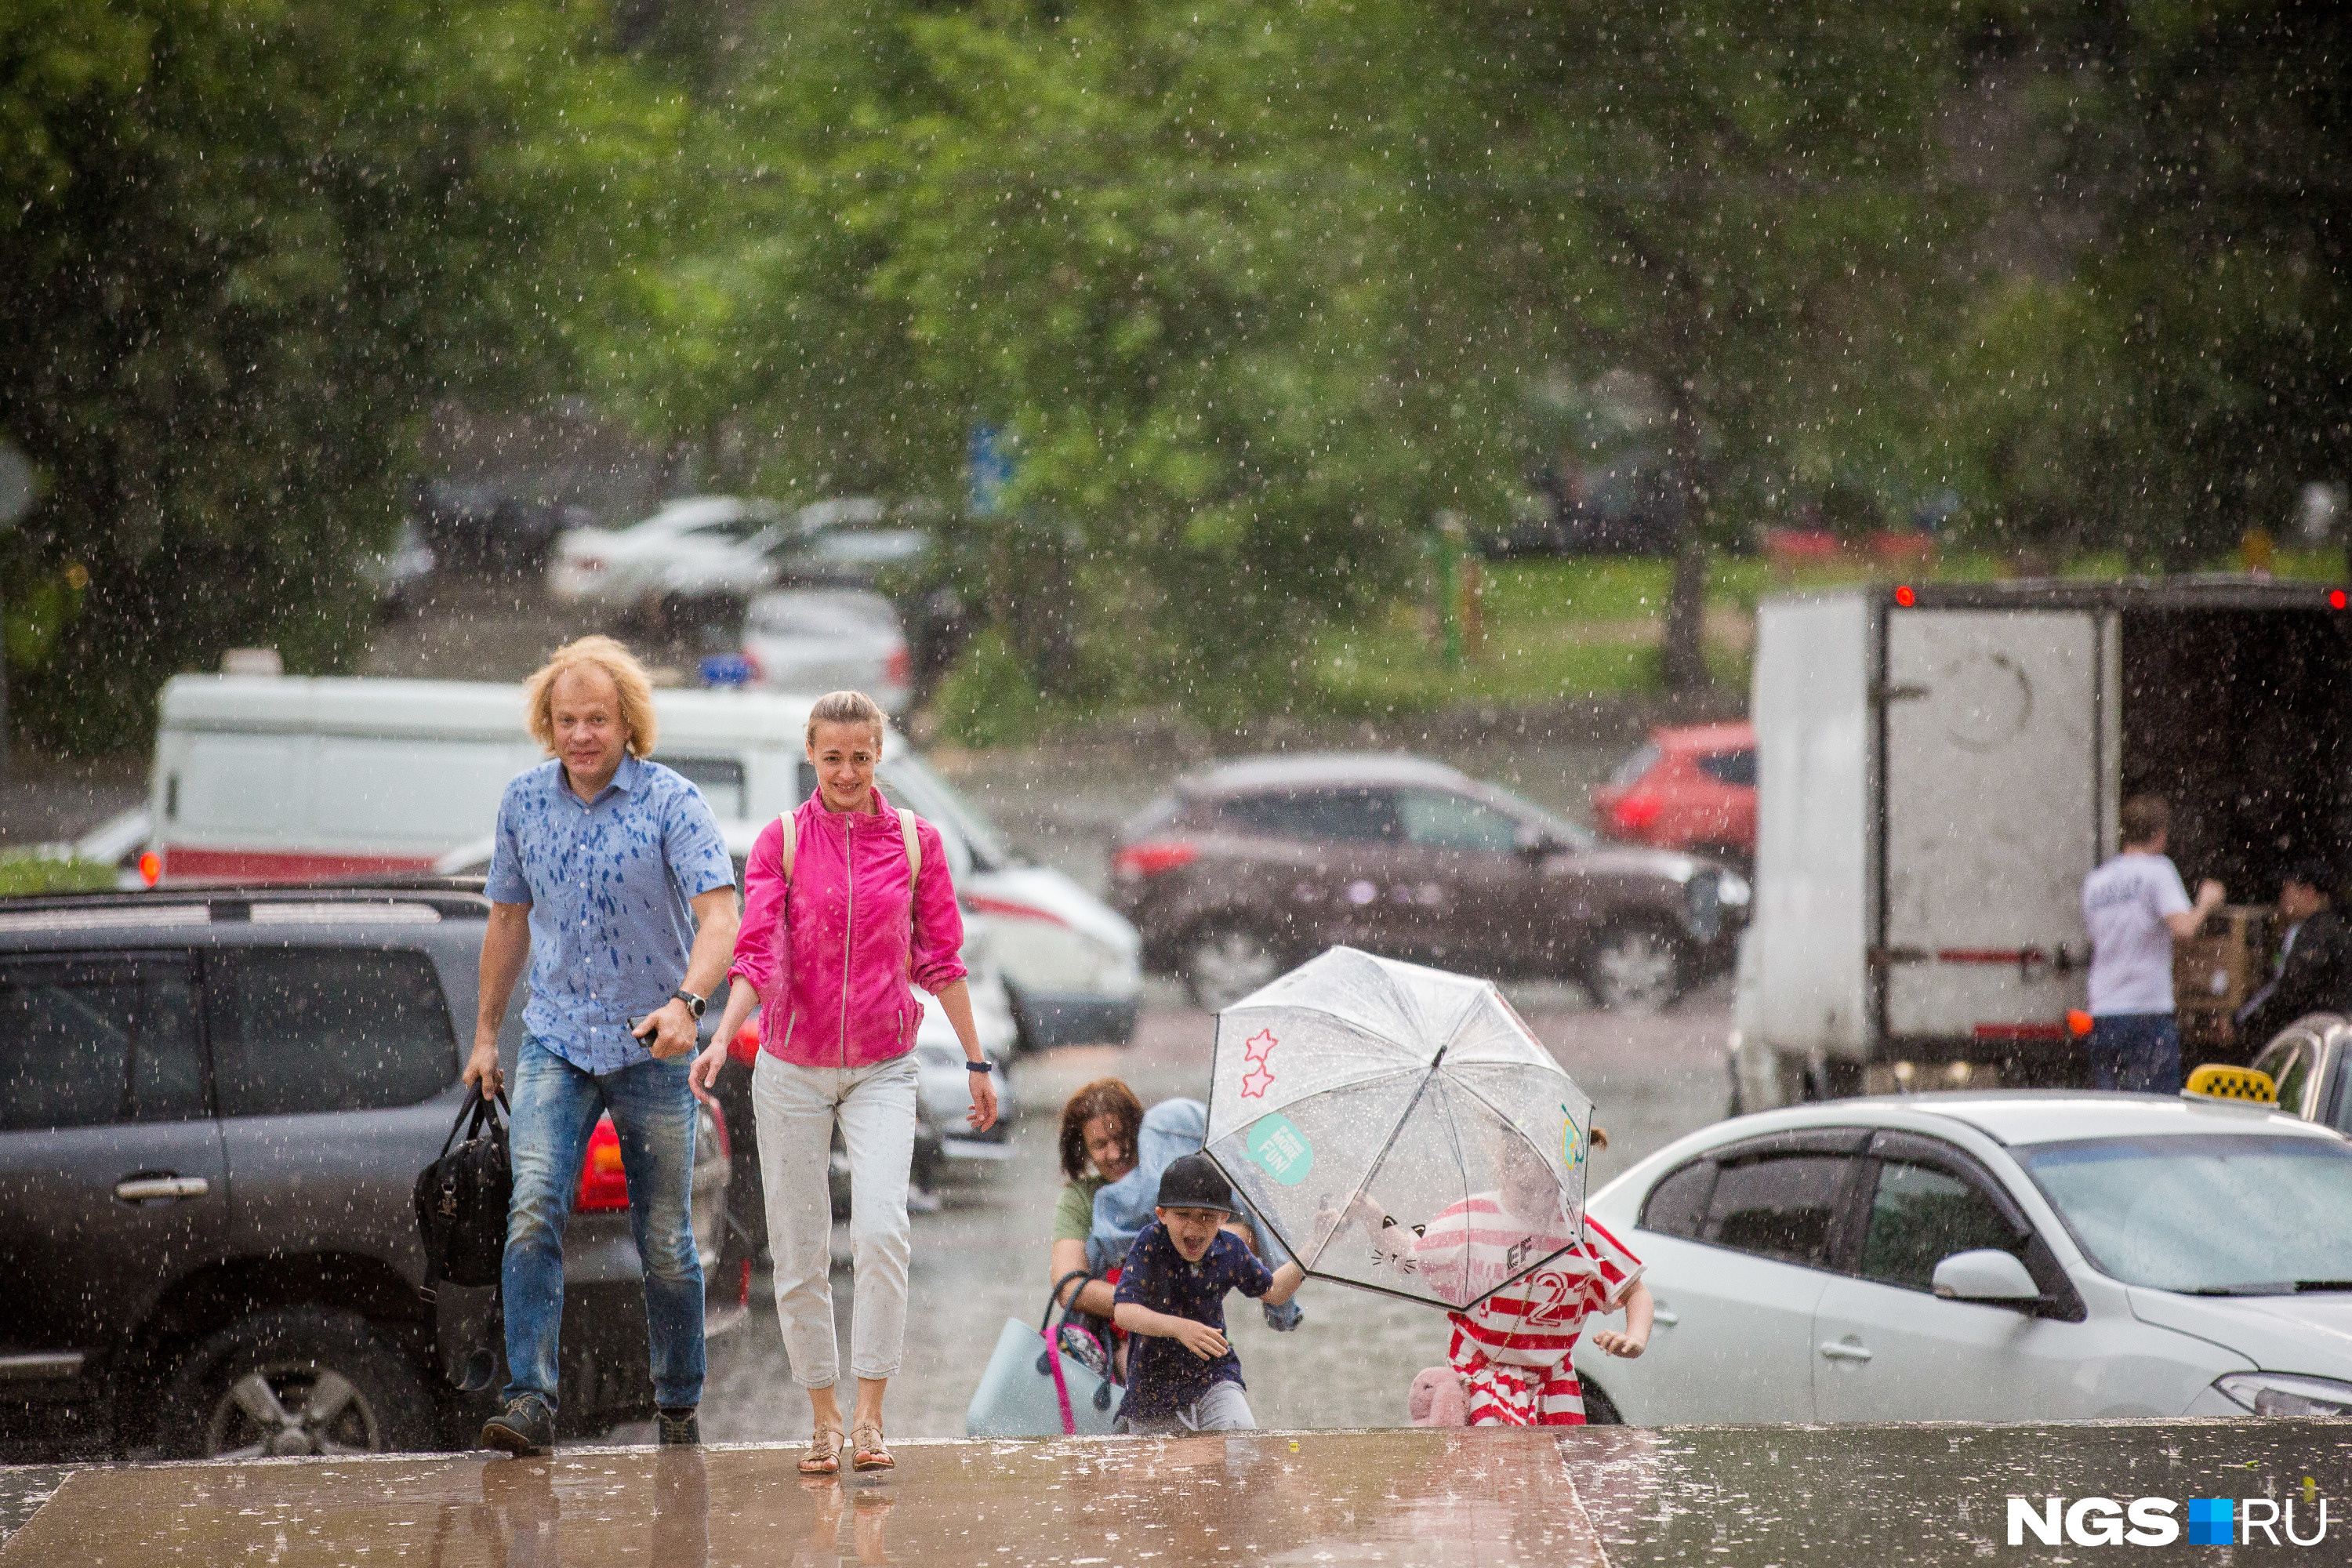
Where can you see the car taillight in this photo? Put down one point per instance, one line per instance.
(896, 668)
(604, 1184)
(151, 867)
(1636, 812)
(745, 1047)
(755, 673)
(1138, 861)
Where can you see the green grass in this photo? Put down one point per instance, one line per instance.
(26, 871)
(1588, 626)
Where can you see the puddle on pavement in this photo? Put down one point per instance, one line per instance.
(1767, 1496)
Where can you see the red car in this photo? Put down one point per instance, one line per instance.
(1692, 788)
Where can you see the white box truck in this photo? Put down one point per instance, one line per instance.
(1940, 766)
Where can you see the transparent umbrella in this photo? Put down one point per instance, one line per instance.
(1400, 1129)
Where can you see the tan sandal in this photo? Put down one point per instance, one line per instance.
(868, 1454)
(822, 1455)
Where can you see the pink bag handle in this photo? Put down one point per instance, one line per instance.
(1053, 1351)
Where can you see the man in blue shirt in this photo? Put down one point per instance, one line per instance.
(1181, 1373)
(610, 876)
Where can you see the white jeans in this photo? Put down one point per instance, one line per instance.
(796, 1108)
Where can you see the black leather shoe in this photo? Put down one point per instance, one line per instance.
(678, 1427)
(523, 1428)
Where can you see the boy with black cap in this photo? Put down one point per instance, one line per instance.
(1181, 1374)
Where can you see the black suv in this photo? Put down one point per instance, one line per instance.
(214, 1106)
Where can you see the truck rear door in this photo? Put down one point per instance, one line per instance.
(1999, 732)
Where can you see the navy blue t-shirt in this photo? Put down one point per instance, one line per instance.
(1162, 1376)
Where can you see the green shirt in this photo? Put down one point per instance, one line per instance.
(1074, 1216)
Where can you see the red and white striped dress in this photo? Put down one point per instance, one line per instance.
(1512, 1349)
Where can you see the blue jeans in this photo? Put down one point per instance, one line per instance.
(2135, 1051)
(555, 1110)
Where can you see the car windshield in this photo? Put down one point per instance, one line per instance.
(933, 797)
(2206, 1213)
(1643, 758)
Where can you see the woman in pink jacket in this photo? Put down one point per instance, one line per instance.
(830, 944)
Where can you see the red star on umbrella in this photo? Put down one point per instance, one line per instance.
(1255, 1048)
(1256, 1081)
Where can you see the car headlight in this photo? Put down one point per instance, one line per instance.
(2285, 1394)
(1731, 889)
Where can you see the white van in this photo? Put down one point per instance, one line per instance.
(285, 778)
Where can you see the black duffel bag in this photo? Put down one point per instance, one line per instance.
(461, 1199)
(461, 1217)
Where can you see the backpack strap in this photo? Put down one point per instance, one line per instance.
(914, 842)
(790, 831)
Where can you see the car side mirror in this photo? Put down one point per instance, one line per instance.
(1986, 1274)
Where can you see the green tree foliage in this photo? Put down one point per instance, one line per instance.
(243, 244)
(2187, 363)
(1263, 288)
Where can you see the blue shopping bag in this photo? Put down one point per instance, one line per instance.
(1033, 1390)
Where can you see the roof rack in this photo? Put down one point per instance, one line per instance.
(428, 897)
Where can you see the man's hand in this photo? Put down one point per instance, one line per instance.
(704, 1074)
(2209, 895)
(482, 1071)
(1197, 1337)
(668, 1030)
(982, 1114)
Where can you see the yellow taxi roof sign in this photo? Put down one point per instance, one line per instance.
(2234, 1086)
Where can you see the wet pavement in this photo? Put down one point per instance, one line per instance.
(983, 1258)
(1606, 1497)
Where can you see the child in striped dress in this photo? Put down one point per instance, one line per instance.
(1511, 1349)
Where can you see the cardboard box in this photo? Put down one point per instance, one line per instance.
(2216, 971)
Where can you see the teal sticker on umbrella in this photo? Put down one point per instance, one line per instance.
(1573, 1143)
(1281, 1148)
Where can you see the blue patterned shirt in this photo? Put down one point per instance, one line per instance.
(609, 883)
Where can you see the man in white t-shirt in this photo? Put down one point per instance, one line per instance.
(2136, 908)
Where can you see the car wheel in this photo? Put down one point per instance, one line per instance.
(296, 1382)
(1633, 968)
(1222, 964)
(1600, 1410)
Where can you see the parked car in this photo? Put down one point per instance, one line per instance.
(1238, 873)
(482, 523)
(2004, 1256)
(399, 572)
(849, 541)
(2309, 1064)
(825, 639)
(1691, 788)
(214, 1106)
(688, 549)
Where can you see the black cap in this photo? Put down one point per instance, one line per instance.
(1193, 1182)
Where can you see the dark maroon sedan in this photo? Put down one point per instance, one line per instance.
(1238, 873)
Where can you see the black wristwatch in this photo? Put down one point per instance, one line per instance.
(694, 1004)
(971, 1066)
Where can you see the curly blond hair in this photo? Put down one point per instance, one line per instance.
(628, 678)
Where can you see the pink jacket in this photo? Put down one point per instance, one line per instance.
(831, 954)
